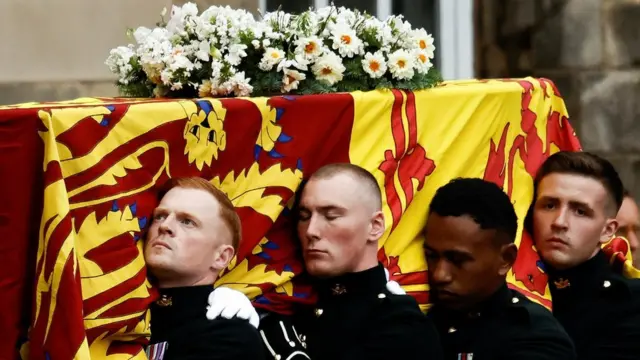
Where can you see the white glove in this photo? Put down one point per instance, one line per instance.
(229, 303)
(393, 286)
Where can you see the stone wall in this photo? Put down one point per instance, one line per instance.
(56, 50)
(590, 49)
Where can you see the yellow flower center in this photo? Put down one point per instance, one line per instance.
(423, 44)
(422, 58)
(326, 71)
(310, 48)
(374, 66)
(346, 39)
(402, 63)
(275, 55)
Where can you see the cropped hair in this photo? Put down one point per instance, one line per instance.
(481, 200)
(362, 175)
(588, 165)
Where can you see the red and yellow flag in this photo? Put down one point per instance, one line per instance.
(105, 158)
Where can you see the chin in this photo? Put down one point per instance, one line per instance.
(320, 270)
(558, 259)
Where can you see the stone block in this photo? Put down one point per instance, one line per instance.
(622, 33)
(569, 86)
(625, 166)
(610, 111)
(67, 40)
(520, 15)
(571, 37)
(16, 93)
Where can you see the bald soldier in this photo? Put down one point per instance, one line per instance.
(339, 223)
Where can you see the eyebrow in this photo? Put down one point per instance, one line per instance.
(180, 214)
(571, 202)
(325, 208)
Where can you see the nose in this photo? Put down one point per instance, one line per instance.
(560, 221)
(440, 273)
(313, 228)
(167, 225)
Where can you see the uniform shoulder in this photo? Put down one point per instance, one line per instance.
(621, 288)
(219, 339)
(399, 304)
(534, 313)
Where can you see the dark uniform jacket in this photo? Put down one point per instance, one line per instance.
(181, 331)
(506, 326)
(599, 308)
(357, 318)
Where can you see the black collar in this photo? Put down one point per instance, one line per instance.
(587, 278)
(495, 304)
(367, 282)
(178, 305)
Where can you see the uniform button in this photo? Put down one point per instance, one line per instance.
(607, 283)
(515, 300)
(319, 312)
(381, 296)
(452, 330)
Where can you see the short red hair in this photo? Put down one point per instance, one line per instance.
(227, 210)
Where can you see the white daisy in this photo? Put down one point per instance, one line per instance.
(374, 64)
(423, 62)
(270, 58)
(401, 64)
(329, 68)
(346, 41)
(309, 47)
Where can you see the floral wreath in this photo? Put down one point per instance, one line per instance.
(226, 52)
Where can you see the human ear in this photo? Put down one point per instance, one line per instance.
(377, 226)
(221, 257)
(508, 255)
(609, 230)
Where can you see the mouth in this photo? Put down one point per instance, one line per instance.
(160, 243)
(315, 252)
(446, 295)
(557, 241)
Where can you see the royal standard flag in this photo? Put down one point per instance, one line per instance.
(104, 159)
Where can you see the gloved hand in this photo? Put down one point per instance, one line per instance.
(229, 303)
(393, 286)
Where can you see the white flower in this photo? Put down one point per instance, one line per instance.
(270, 58)
(256, 44)
(347, 42)
(297, 63)
(119, 62)
(240, 85)
(141, 34)
(424, 42)
(189, 9)
(291, 79)
(236, 53)
(423, 62)
(203, 50)
(309, 47)
(374, 64)
(401, 65)
(266, 42)
(328, 68)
